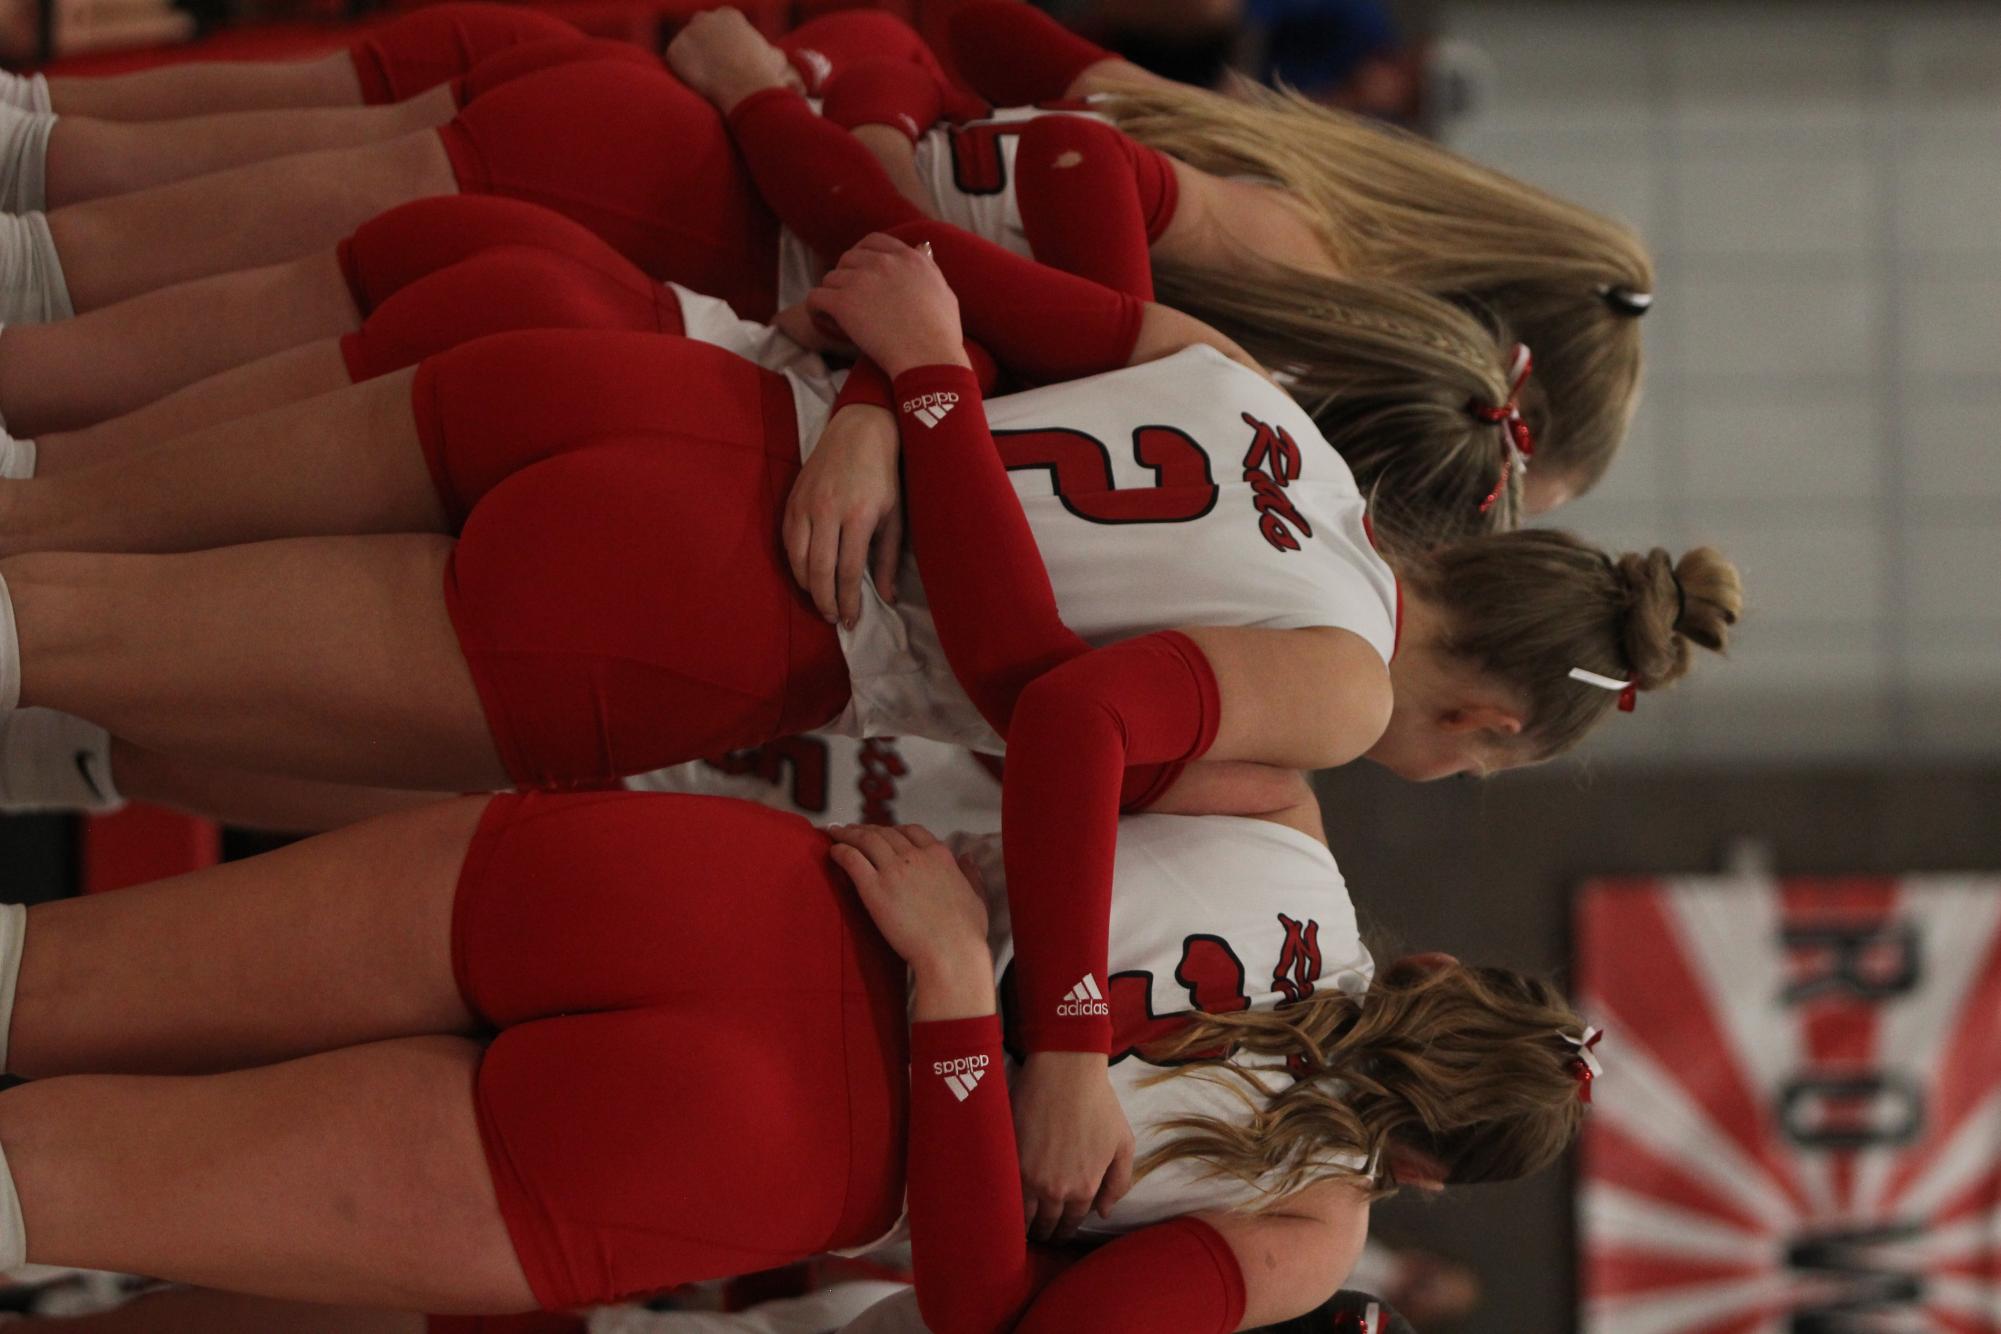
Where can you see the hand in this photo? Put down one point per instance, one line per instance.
(719, 55)
(1076, 1148)
(844, 518)
(796, 323)
(892, 303)
(924, 900)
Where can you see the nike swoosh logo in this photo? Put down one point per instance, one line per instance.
(89, 778)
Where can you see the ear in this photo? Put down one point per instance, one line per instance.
(1496, 718)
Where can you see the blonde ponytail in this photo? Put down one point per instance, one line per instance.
(1389, 206)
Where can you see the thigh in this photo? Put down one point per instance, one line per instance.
(502, 289)
(627, 606)
(358, 1176)
(396, 248)
(638, 158)
(640, 1149)
(488, 409)
(439, 43)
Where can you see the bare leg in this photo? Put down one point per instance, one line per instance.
(345, 462)
(200, 1311)
(338, 941)
(116, 248)
(280, 379)
(78, 372)
(251, 800)
(322, 658)
(356, 1176)
(89, 159)
(207, 87)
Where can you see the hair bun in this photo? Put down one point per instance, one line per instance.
(1671, 604)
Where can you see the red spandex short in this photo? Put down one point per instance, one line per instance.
(636, 157)
(700, 1065)
(394, 249)
(501, 289)
(619, 587)
(438, 43)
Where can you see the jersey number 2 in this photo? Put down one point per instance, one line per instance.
(1080, 470)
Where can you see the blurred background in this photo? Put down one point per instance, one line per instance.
(1778, 887)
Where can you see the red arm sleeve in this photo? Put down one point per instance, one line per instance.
(1014, 55)
(967, 1234)
(884, 92)
(975, 1269)
(1075, 718)
(1173, 1278)
(1041, 325)
(1093, 200)
(820, 180)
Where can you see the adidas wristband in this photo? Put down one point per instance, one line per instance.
(929, 395)
(947, 1046)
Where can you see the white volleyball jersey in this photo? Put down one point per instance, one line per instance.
(1187, 491)
(1208, 911)
(968, 174)
(1214, 912)
(840, 780)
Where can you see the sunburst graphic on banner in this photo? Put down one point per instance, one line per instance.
(1798, 1130)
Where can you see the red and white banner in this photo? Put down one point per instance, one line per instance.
(1798, 1130)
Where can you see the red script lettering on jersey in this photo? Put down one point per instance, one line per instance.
(1271, 465)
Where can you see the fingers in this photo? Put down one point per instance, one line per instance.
(857, 868)
(971, 870)
(1043, 1216)
(918, 835)
(883, 845)
(888, 553)
(798, 533)
(1118, 1180)
(853, 562)
(822, 561)
(1072, 1217)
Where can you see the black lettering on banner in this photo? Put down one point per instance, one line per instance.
(1868, 962)
(1851, 1111)
(1861, 1295)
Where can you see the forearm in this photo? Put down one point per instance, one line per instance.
(820, 180)
(967, 1231)
(991, 599)
(1042, 325)
(1076, 732)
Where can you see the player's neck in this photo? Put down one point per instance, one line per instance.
(1218, 222)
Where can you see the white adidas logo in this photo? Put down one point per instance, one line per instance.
(961, 1074)
(1084, 999)
(931, 408)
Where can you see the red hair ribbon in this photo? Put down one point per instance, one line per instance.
(1515, 436)
(1585, 1065)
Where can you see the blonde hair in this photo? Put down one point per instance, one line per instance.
(1472, 1066)
(1526, 608)
(1389, 206)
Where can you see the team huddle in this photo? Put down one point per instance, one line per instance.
(494, 409)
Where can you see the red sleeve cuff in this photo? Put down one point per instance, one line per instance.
(937, 1039)
(750, 107)
(930, 393)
